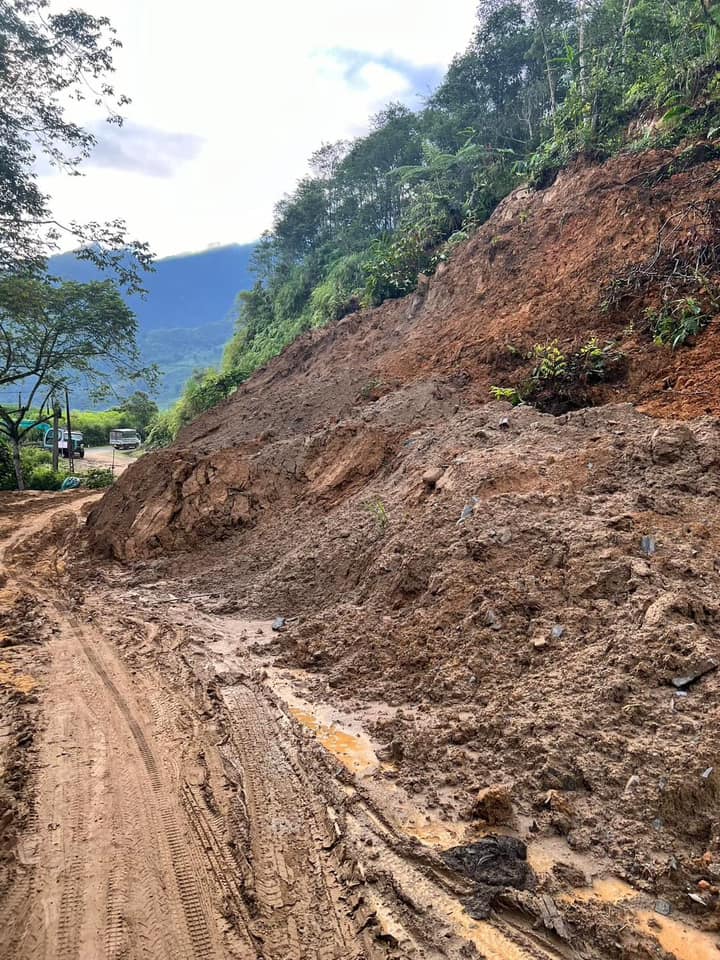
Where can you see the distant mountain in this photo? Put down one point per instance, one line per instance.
(186, 318)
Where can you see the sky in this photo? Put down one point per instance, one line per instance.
(230, 98)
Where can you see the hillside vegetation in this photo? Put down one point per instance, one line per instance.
(541, 83)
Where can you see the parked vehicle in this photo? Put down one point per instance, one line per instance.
(124, 439)
(78, 443)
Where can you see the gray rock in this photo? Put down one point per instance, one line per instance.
(695, 672)
(648, 546)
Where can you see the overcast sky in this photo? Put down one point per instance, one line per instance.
(230, 98)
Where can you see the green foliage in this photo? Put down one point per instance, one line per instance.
(393, 266)
(49, 60)
(139, 411)
(680, 275)
(560, 379)
(45, 478)
(162, 429)
(36, 469)
(53, 335)
(650, 61)
(376, 509)
(677, 321)
(7, 472)
(550, 362)
(509, 394)
(98, 477)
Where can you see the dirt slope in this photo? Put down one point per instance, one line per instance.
(502, 598)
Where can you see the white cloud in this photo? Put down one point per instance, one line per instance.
(259, 86)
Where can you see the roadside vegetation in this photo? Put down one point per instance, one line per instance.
(541, 83)
(56, 334)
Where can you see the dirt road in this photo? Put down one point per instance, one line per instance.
(116, 460)
(174, 796)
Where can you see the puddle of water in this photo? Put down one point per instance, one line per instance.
(681, 940)
(20, 681)
(607, 889)
(678, 938)
(352, 750)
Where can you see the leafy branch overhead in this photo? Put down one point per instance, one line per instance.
(47, 61)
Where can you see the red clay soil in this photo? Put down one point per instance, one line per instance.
(515, 592)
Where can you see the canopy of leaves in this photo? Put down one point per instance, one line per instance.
(53, 335)
(47, 60)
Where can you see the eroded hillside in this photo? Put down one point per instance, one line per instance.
(506, 600)
(502, 622)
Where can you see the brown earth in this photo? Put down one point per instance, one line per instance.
(500, 623)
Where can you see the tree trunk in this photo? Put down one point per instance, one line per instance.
(582, 52)
(17, 464)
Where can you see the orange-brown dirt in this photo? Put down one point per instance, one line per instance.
(499, 622)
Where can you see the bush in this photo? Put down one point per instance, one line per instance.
(677, 321)
(98, 477)
(393, 266)
(45, 478)
(560, 380)
(35, 461)
(510, 394)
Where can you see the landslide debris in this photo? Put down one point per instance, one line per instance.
(513, 593)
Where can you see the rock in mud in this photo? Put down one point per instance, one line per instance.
(431, 477)
(695, 672)
(494, 863)
(670, 443)
(663, 908)
(494, 804)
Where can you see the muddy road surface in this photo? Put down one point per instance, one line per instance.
(167, 793)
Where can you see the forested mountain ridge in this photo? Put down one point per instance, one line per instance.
(186, 317)
(541, 83)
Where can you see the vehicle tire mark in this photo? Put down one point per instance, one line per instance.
(185, 874)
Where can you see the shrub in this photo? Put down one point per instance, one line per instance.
(98, 477)
(393, 266)
(510, 394)
(550, 362)
(33, 459)
(677, 321)
(45, 478)
(559, 380)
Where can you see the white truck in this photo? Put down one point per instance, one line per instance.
(124, 439)
(78, 443)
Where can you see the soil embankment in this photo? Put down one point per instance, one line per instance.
(500, 635)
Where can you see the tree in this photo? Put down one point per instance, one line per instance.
(141, 410)
(48, 60)
(55, 334)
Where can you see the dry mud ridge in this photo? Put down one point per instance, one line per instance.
(487, 724)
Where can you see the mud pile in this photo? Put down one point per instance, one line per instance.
(530, 600)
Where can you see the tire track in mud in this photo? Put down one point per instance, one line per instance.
(201, 941)
(71, 906)
(298, 909)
